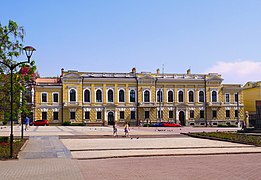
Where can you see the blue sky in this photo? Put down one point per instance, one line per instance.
(222, 36)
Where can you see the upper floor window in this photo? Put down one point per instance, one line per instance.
(121, 96)
(44, 97)
(159, 96)
(72, 95)
(170, 96)
(110, 95)
(98, 95)
(181, 98)
(146, 96)
(201, 96)
(191, 96)
(55, 97)
(214, 96)
(236, 97)
(227, 98)
(87, 97)
(132, 96)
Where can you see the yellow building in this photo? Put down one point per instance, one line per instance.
(252, 93)
(106, 98)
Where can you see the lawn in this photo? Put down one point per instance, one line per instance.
(5, 147)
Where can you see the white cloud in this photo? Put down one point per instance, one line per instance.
(238, 71)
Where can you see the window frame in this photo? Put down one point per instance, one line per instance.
(179, 96)
(189, 96)
(148, 96)
(170, 97)
(84, 96)
(96, 99)
(109, 96)
(201, 96)
(53, 95)
(120, 96)
(130, 98)
(74, 89)
(44, 93)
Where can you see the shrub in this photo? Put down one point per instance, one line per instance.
(66, 123)
(3, 139)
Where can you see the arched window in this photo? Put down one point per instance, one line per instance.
(146, 96)
(181, 96)
(110, 95)
(214, 96)
(72, 95)
(191, 96)
(170, 96)
(87, 96)
(201, 96)
(98, 95)
(121, 96)
(159, 96)
(132, 96)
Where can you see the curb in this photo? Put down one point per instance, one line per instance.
(22, 148)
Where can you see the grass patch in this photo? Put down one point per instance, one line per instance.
(231, 136)
(5, 147)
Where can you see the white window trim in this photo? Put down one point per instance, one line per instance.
(84, 95)
(42, 97)
(143, 95)
(69, 100)
(193, 95)
(168, 95)
(124, 97)
(53, 97)
(203, 96)
(135, 95)
(211, 96)
(226, 98)
(183, 95)
(107, 97)
(96, 95)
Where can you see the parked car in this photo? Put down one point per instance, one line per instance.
(41, 122)
(171, 124)
(159, 124)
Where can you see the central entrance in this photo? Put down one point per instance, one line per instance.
(182, 118)
(110, 118)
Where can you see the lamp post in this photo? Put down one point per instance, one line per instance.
(28, 51)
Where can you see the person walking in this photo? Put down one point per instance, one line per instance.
(127, 130)
(115, 130)
(27, 123)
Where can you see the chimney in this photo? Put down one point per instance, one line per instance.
(62, 70)
(158, 71)
(133, 70)
(188, 71)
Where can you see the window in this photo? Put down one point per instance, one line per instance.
(121, 114)
(110, 95)
(236, 97)
(147, 114)
(44, 97)
(72, 115)
(121, 96)
(146, 96)
(87, 96)
(98, 95)
(55, 115)
(236, 113)
(214, 114)
(201, 96)
(160, 114)
(227, 113)
(201, 114)
(181, 96)
(191, 114)
(159, 96)
(133, 114)
(72, 95)
(191, 96)
(227, 98)
(55, 97)
(170, 114)
(87, 115)
(214, 96)
(170, 96)
(132, 96)
(99, 115)
(44, 115)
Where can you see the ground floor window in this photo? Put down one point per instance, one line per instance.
(72, 115)
(147, 114)
(227, 113)
(160, 114)
(133, 113)
(99, 115)
(55, 115)
(87, 115)
(214, 114)
(121, 114)
(44, 115)
(191, 114)
(236, 113)
(202, 113)
(170, 114)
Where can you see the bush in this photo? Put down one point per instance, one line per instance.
(3, 139)
(226, 125)
(66, 123)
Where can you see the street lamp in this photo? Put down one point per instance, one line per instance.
(28, 51)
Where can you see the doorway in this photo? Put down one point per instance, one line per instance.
(110, 118)
(182, 118)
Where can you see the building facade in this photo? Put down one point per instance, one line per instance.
(137, 98)
(252, 93)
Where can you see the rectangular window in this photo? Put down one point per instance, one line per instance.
(44, 115)
(191, 113)
(121, 114)
(55, 115)
(236, 113)
(133, 114)
(44, 97)
(202, 113)
(160, 114)
(170, 114)
(227, 98)
(55, 97)
(227, 113)
(72, 115)
(147, 114)
(236, 97)
(87, 115)
(99, 115)
(214, 114)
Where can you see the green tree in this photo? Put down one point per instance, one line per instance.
(11, 47)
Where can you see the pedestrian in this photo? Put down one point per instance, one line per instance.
(27, 123)
(115, 130)
(127, 130)
(243, 125)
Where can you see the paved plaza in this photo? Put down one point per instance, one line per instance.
(60, 152)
